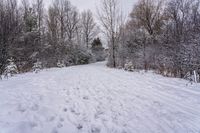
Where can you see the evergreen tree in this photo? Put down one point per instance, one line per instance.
(37, 66)
(11, 68)
(30, 20)
(98, 50)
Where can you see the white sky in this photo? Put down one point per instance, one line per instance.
(126, 5)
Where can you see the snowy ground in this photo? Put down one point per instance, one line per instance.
(96, 99)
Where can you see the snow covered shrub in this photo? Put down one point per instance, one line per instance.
(163, 65)
(129, 66)
(60, 64)
(11, 68)
(81, 55)
(37, 66)
(192, 77)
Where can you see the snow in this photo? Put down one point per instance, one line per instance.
(95, 99)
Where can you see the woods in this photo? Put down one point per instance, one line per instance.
(99, 66)
(158, 35)
(162, 36)
(57, 36)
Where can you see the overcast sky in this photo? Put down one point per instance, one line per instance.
(126, 5)
(81, 5)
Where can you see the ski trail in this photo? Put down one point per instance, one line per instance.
(95, 99)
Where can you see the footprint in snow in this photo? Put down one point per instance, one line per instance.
(35, 107)
(59, 125)
(95, 130)
(76, 88)
(40, 97)
(54, 130)
(86, 98)
(76, 113)
(21, 108)
(52, 118)
(25, 127)
(62, 119)
(157, 104)
(98, 114)
(65, 110)
(79, 127)
(72, 110)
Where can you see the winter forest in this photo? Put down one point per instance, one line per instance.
(68, 70)
(157, 35)
(33, 37)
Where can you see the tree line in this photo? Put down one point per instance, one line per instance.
(160, 35)
(32, 36)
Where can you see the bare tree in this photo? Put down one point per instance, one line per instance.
(24, 39)
(163, 37)
(9, 29)
(72, 20)
(53, 27)
(58, 5)
(26, 6)
(147, 15)
(111, 19)
(40, 14)
(89, 27)
(68, 19)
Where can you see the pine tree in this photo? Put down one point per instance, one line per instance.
(30, 20)
(11, 68)
(98, 50)
(37, 66)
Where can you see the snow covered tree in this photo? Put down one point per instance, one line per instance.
(111, 19)
(129, 66)
(64, 35)
(10, 28)
(163, 36)
(30, 20)
(37, 66)
(11, 68)
(89, 27)
(98, 50)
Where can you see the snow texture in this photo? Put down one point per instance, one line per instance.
(95, 99)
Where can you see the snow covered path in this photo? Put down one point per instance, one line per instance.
(95, 99)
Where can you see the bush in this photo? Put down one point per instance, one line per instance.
(37, 66)
(129, 66)
(11, 68)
